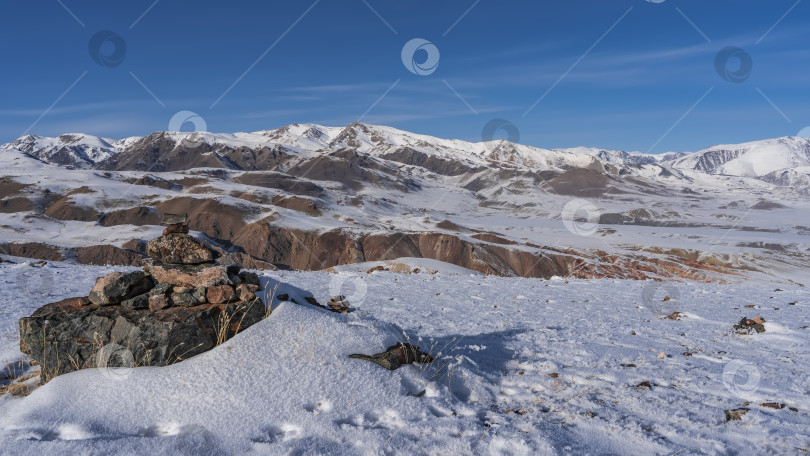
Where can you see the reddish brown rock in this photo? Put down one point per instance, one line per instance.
(382, 247)
(158, 302)
(304, 250)
(178, 248)
(773, 405)
(189, 276)
(219, 294)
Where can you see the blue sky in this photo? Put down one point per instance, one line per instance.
(624, 74)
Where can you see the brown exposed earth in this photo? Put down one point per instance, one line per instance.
(299, 204)
(34, 250)
(65, 209)
(16, 204)
(141, 215)
(280, 181)
(107, 255)
(9, 187)
(579, 182)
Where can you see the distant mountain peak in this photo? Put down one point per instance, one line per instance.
(776, 161)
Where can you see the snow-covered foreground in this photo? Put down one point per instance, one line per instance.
(286, 385)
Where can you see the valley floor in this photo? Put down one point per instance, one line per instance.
(524, 366)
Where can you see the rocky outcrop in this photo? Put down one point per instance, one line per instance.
(306, 250)
(316, 250)
(180, 305)
(389, 247)
(431, 163)
(298, 249)
(75, 334)
(397, 356)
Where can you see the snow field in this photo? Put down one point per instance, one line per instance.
(286, 385)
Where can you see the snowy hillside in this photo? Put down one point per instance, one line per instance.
(72, 150)
(754, 159)
(524, 367)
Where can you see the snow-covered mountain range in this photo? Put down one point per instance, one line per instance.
(783, 162)
(306, 196)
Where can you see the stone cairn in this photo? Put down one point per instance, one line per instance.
(181, 304)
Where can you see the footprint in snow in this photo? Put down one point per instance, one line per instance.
(283, 433)
(65, 431)
(387, 419)
(162, 430)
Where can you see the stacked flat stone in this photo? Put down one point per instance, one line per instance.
(180, 305)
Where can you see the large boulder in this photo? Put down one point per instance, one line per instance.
(76, 334)
(178, 248)
(117, 287)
